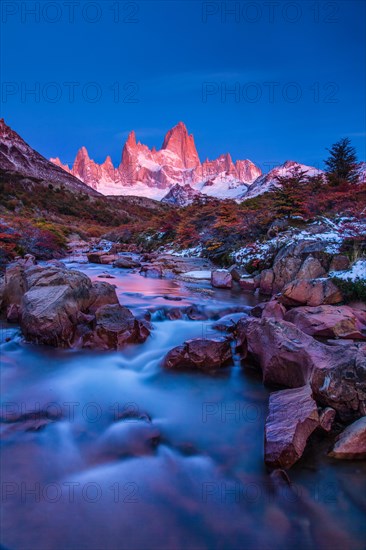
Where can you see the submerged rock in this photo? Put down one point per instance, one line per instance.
(292, 418)
(199, 353)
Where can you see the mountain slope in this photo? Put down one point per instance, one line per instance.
(17, 157)
(268, 182)
(181, 195)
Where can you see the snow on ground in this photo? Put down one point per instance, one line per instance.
(357, 271)
(333, 237)
(197, 274)
(193, 252)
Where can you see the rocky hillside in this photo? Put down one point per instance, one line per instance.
(17, 157)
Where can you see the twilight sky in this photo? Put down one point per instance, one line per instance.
(264, 80)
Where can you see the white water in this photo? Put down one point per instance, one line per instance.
(192, 478)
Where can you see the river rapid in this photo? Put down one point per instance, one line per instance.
(130, 456)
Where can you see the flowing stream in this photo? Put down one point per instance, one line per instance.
(133, 457)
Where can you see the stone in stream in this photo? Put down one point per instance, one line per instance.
(351, 443)
(326, 419)
(228, 323)
(199, 354)
(286, 355)
(58, 307)
(292, 418)
(152, 271)
(221, 278)
(248, 284)
(291, 358)
(101, 294)
(126, 262)
(115, 327)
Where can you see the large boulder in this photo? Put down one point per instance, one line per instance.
(49, 315)
(115, 327)
(286, 355)
(63, 308)
(291, 358)
(200, 353)
(327, 321)
(101, 294)
(292, 418)
(221, 278)
(300, 260)
(50, 306)
(311, 268)
(341, 382)
(310, 292)
(351, 443)
(339, 263)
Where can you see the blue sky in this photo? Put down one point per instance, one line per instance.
(297, 69)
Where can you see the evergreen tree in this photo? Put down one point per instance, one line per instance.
(290, 199)
(341, 164)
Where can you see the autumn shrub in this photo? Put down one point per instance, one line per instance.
(352, 290)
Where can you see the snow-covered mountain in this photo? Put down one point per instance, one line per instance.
(17, 157)
(181, 195)
(268, 182)
(153, 173)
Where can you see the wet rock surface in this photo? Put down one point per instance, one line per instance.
(59, 307)
(292, 418)
(351, 443)
(201, 354)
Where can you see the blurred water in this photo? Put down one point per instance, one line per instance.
(129, 456)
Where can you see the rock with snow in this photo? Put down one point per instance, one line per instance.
(269, 182)
(181, 195)
(356, 271)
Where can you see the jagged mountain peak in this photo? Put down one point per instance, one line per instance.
(178, 141)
